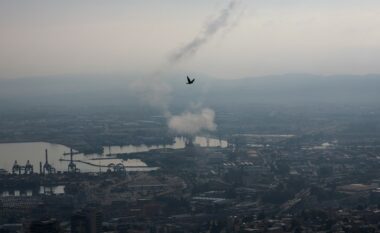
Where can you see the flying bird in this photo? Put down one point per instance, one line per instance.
(190, 81)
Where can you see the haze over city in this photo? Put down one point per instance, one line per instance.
(173, 116)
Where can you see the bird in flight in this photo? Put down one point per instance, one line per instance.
(190, 81)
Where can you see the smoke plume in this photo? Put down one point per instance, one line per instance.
(157, 93)
(210, 29)
(192, 123)
(153, 91)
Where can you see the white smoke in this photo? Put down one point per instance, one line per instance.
(157, 93)
(192, 123)
(209, 30)
(153, 91)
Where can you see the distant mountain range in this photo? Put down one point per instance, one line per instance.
(280, 89)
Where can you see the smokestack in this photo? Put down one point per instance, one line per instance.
(46, 156)
(40, 167)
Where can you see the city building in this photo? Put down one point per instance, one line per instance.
(45, 226)
(88, 220)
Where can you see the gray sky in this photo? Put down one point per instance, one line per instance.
(133, 36)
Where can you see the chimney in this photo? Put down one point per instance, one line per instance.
(46, 156)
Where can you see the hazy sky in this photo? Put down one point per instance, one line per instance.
(54, 37)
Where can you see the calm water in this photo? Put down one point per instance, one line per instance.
(60, 189)
(35, 152)
(178, 144)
